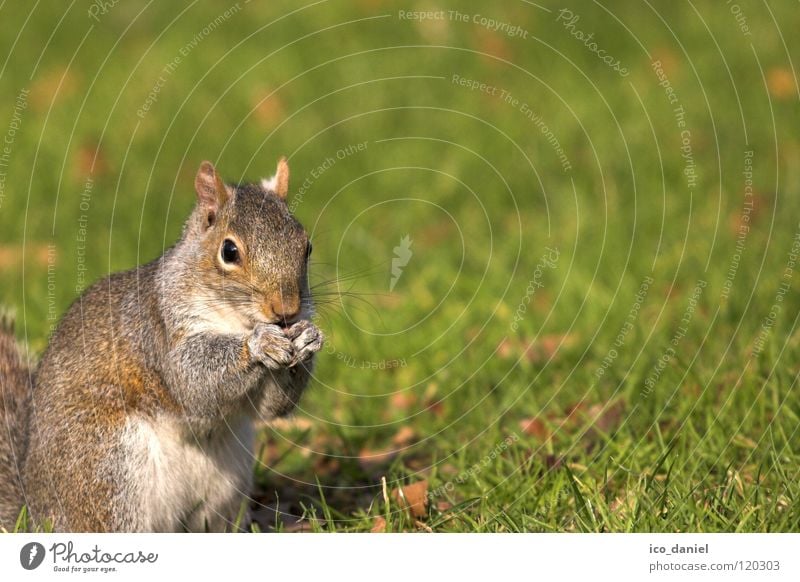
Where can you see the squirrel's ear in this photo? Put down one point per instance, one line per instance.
(279, 183)
(211, 191)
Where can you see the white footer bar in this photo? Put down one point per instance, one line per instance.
(387, 557)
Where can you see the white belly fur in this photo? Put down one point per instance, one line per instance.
(184, 481)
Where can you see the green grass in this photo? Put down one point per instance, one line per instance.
(713, 445)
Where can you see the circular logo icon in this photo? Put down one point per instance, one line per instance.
(31, 555)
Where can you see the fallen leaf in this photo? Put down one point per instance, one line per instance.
(745, 442)
(492, 44)
(781, 83)
(403, 400)
(51, 86)
(573, 412)
(534, 427)
(413, 497)
(299, 526)
(670, 63)
(606, 417)
(404, 436)
(370, 458)
(40, 253)
(436, 408)
(90, 161)
(267, 109)
(472, 334)
(553, 462)
(506, 348)
(380, 525)
(436, 233)
(536, 351)
(739, 225)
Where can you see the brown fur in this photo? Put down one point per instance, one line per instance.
(15, 381)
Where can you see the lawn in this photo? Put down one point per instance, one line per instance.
(555, 248)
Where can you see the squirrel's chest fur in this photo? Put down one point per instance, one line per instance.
(187, 481)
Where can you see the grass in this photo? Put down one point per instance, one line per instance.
(515, 365)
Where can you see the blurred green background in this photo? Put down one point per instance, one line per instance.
(491, 135)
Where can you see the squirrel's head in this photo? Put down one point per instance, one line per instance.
(254, 253)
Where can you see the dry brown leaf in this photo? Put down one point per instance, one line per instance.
(606, 417)
(739, 225)
(603, 417)
(472, 334)
(492, 44)
(404, 436)
(403, 400)
(781, 83)
(535, 351)
(39, 253)
(300, 526)
(90, 160)
(267, 109)
(413, 497)
(52, 86)
(369, 458)
(548, 346)
(380, 525)
(506, 348)
(535, 427)
(573, 415)
(670, 63)
(436, 408)
(438, 232)
(553, 462)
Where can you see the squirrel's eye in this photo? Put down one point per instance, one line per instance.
(230, 252)
(309, 248)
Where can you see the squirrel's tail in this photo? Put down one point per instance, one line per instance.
(15, 396)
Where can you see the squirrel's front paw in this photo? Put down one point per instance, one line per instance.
(270, 346)
(306, 338)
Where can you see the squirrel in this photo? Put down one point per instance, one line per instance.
(140, 415)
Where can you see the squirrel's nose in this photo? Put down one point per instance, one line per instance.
(285, 307)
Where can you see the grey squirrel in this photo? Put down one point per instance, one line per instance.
(140, 415)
